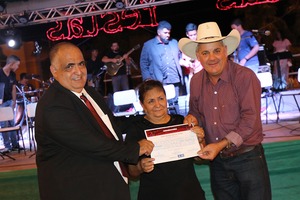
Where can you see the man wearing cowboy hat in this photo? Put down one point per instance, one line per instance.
(225, 100)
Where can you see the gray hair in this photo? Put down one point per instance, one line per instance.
(12, 58)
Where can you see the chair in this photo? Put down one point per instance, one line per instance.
(125, 97)
(138, 107)
(266, 81)
(293, 93)
(170, 94)
(31, 115)
(7, 114)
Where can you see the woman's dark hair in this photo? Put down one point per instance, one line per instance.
(149, 85)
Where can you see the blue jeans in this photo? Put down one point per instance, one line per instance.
(9, 138)
(243, 177)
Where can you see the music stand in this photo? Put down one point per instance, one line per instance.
(25, 102)
(277, 57)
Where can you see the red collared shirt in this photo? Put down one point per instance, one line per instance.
(231, 108)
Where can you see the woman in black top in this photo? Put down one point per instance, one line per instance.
(172, 180)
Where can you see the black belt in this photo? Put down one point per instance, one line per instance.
(224, 154)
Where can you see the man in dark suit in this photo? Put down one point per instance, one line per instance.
(75, 159)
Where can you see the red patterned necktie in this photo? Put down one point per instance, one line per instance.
(104, 128)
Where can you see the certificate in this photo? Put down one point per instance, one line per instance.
(173, 143)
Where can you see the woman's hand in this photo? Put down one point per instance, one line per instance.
(199, 132)
(191, 120)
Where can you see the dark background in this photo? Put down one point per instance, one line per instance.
(284, 16)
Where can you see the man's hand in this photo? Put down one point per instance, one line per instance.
(243, 62)
(210, 151)
(115, 60)
(125, 56)
(146, 147)
(191, 120)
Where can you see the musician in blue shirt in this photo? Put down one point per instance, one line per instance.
(160, 59)
(248, 48)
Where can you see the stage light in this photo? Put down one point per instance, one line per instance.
(24, 18)
(119, 4)
(2, 6)
(13, 38)
(11, 42)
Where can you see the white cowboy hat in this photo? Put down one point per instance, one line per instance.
(206, 33)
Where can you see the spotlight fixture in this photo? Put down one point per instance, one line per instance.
(11, 42)
(2, 6)
(119, 4)
(24, 18)
(79, 1)
(13, 38)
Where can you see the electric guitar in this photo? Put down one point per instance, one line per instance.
(113, 68)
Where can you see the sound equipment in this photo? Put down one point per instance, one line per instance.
(277, 57)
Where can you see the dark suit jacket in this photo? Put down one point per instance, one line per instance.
(74, 157)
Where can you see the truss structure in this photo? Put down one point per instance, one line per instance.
(72, 10)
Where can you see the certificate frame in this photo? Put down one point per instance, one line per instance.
(172, 143)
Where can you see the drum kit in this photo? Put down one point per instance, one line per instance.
(25, 96)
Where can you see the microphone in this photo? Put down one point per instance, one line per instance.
(103, 68)
(263, 32)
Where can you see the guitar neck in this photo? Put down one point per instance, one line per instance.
(128, 53)
(131, 50)
(113, 68)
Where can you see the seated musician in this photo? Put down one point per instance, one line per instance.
(112, 59)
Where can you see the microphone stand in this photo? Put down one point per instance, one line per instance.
(29, 126)
(25, 101)
(98, 77)
(43, 83)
